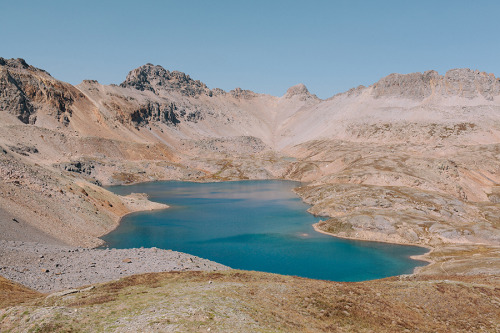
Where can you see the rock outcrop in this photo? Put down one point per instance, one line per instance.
(157, 79)
(300, 91)
(242, 93)
(25, 89)
(12, 97)
(456, 82)
(167, 113)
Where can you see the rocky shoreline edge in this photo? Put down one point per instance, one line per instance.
(421, 257)
(50, 268)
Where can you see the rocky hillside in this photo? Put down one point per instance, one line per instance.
(26, 91)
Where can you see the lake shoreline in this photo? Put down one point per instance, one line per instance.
(136, 203)
(420, 257)
(50, 268)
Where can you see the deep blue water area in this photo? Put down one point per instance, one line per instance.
(253, 225)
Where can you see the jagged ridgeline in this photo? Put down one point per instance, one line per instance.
(25, 90)
(168, 97)
(171, 97)
(456, 82)
(417, 107)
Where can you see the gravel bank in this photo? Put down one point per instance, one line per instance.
(15, 227)
(48, 268)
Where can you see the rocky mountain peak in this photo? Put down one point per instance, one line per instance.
(462, 82)
(19, 64)
(299, 90)
(242, 93)
(24, 89)
(412, 86)
(14, 63)
(90, 82)
(155, 78)
(471, 83)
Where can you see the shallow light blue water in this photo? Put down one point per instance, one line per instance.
(253, 225)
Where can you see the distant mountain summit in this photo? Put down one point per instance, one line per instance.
(18, 64)
(461, 82)
(157, 79)
(301, 91)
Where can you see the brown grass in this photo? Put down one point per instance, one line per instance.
(12, 293)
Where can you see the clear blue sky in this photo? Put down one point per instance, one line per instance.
(264, 46)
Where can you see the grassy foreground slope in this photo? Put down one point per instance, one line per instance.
(240, 301)
(12, 293)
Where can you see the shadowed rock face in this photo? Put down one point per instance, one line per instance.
(14, 100)
(456, 82)
(156, 112)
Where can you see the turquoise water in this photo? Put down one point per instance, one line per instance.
(253, 225)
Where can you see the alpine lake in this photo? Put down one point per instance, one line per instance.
(253, 225)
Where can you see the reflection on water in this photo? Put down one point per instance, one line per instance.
(253, 225)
